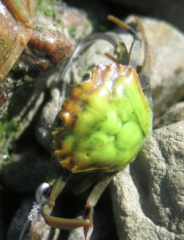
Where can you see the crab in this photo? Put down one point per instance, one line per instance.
(16, 30)
(101, 126)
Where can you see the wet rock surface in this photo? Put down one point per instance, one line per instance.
(147, 196)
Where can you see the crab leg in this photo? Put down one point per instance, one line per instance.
(93, 199)
(62, 223)
(69, 224)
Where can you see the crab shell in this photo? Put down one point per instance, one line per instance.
(103, 122)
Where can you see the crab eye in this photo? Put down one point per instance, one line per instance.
(58, 122)
(86, 77)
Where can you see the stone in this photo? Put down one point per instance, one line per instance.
(27, 172)
(37, 229)
(147, 196)
(173, 114)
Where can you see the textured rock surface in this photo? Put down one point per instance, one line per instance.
(167, 73)
(40, 230)
(27, 172)
(46, 119)
(173, 114)
(147, 196)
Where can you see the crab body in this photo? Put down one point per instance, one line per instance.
(104, 121)
(101, 125)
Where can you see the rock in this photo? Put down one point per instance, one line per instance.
(27, 172)
(39, 230)
(19, 219)
(75, 26)
(167, 73)
(173, 114)
(46, 119)
(147, 196)
(57, 29)
(20, 114)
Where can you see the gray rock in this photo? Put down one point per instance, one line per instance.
(173, 114)
(167, 73)
(28, 172)
(37, 230)
(147, 196)
(20, 114)
(46, 119)
(19, 219)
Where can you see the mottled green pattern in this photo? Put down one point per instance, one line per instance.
(109, 131)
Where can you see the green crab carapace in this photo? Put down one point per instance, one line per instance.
(104, 121)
